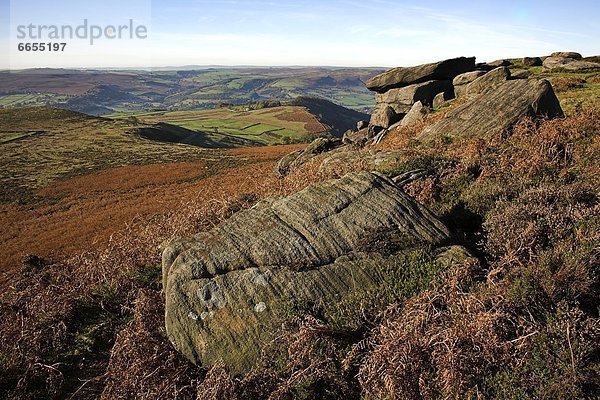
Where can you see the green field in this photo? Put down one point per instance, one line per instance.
(28, 99)
(289, 83)
(264, 126)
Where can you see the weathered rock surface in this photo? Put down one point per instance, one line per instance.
(467, 77)
(285, 164)
(415, 115)
(532, 61)
(442, 100)
(223, 288)
(308, 229)
(292, 160)
(558, 63)
(492, 78)
(567, 54)
(404, 76)
(359, 137)
(376, 160)
(461, 81)
(497, 109)
(242, 307)
(351, 153)
(402, 99)
(520, 74)
(384, 116)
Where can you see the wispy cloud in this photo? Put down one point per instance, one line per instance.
(399, 33)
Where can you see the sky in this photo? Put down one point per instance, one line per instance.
(357, 33)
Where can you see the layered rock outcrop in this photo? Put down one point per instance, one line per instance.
(404, 76)
(224, 287)
(399, 88)
(493, 102)
(402, 99)
(495, 99)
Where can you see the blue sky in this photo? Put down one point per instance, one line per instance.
(340, 32)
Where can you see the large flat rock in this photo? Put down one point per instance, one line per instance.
(223, 287)
(404, 76)
(308, 229)
(497, 109)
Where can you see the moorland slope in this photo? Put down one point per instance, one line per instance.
(431, 260)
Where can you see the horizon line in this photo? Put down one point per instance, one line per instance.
(196, 66)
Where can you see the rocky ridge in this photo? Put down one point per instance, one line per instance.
(492, 100)
(399, 88)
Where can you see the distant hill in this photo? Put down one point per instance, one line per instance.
(339, 118)
(100, 92)
(300, 120)
(40, 144)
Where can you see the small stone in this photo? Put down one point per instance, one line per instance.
(356, 137)
(441, 100)
(467, 77)
(384, 116)
(415, 115)
(260, 307)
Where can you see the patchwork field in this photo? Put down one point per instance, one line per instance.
(105, 92)
(278, 125)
